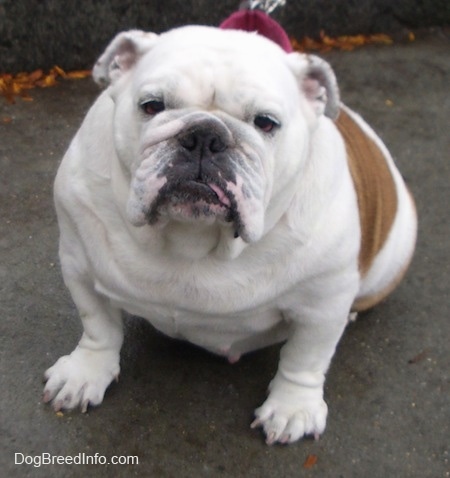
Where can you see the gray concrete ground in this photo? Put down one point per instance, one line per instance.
(185, 413)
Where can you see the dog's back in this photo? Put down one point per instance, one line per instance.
(386, 210)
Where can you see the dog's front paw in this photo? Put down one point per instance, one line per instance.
(81, 378)
(291, 412)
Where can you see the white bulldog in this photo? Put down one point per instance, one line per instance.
(211, 190)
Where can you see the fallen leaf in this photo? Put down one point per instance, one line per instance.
(48, 80)
(57, 71)
(419, 357)
(36, 75)
(12, 86)
(310, 461)
(78, 74)
(344, 42)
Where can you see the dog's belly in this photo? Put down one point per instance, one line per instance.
(230, 335)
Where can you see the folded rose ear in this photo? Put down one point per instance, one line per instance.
(121, 55)
(318, 82)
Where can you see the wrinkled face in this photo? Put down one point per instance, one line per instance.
(205, 129)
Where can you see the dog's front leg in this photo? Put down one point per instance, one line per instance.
(295, 406)
(81, 378)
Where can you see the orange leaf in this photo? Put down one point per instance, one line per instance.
(344, 42)
(47, 81)
(381, 38)
(57, 71)
(16, 88)
(36, 75)
(16, 85)
(22, 76)
(358, 40)
(78, 74)
(310, 461)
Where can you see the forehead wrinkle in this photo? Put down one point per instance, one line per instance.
(195, 84)
(210, 77)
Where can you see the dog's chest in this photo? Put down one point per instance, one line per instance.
(231, 332)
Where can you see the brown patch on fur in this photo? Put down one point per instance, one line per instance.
(368, 301)
(375, 189)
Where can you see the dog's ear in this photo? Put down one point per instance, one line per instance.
(121, 55)
(318, 82)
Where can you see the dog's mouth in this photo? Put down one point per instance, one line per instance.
(192, 200)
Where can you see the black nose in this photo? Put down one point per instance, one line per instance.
(203, 142)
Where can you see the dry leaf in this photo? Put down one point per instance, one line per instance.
(345, 42)
(310, 461)
(57, 71)
(12, 86)
(419, 357)
(36, 75)
(78, 74)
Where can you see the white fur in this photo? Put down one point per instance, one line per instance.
(296, 279)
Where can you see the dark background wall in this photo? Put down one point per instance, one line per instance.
(72, 33)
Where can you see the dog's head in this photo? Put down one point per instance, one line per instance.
(212, 125)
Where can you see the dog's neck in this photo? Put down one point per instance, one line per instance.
(195, 241)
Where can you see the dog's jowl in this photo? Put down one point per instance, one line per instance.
(219, 180)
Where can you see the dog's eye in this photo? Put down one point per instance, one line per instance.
(265, 123)
(152, 107)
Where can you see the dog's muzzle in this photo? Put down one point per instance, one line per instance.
(199, 173)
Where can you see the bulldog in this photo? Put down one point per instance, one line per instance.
(220, 189)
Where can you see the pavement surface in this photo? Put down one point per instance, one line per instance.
(186, 413)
